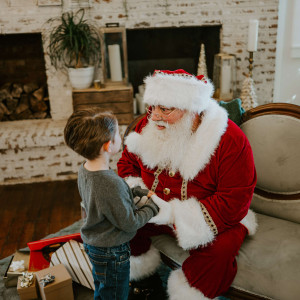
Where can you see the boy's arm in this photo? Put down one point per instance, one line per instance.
(119, 208)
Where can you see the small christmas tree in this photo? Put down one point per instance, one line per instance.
(248, 96)
(202, 69)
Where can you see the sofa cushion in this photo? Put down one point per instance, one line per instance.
(234, 109)
(268, 262)
(284, 209)
(275, 141)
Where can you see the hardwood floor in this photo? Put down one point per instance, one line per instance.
(29, 212)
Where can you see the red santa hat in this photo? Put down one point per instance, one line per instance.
(178, 89)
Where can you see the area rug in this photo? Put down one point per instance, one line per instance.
(80, 292)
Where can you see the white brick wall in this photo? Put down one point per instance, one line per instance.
(34, 150)
(25, 16)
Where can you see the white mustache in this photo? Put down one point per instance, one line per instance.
(161, 123)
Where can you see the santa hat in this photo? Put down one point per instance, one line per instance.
(178, 89)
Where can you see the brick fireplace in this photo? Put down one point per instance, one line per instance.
(33, 150)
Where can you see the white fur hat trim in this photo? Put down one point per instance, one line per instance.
(182, 91)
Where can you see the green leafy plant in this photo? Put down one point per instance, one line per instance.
(75, 42)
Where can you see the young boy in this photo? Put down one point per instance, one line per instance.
(111, 217)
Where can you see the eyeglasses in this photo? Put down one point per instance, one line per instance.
(165, 111)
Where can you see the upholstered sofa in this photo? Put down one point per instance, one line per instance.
(269, 261)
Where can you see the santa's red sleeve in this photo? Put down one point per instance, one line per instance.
(198, 221)
(236, 181)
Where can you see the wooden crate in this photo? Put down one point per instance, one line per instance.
(117, 99)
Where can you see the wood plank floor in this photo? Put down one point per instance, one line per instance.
(29, 212)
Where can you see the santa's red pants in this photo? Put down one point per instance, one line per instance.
(209, 269)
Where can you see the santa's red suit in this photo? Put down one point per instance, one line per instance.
(208, 185)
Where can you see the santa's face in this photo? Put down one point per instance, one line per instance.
(164, 116)
(163, 143)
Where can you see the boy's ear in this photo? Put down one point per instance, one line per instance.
(106, 146)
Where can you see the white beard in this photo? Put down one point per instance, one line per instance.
(166, 148)
(176, 147)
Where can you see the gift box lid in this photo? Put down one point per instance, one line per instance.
(62, 277)
(40, 251)
(39, 245)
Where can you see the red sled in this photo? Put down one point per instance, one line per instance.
(41, 251)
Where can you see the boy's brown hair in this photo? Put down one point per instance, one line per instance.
(88, 129)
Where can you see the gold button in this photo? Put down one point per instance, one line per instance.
(166, 191)
(171, 173)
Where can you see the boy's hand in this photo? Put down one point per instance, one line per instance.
(139, 202)
(139, 192)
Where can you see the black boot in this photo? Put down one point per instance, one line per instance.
(149, 288)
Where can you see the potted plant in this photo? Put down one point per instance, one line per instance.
(75, 44)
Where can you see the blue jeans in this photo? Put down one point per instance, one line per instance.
(111, 267)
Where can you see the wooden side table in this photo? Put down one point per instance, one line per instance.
(117, 99)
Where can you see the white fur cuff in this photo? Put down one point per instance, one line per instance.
(135, 181)
(250, 222)
(191, 227)
(165, 215)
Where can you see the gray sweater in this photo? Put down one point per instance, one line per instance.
(111, 215)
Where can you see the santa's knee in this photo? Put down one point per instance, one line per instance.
(179, 288)
(205, 274)
(145, 264)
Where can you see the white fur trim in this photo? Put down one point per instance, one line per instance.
(206, 141)
(178, 91)
(165, 214)
(132, 142)
(135, 181)
(191, 228)
(250, 222)
(179, 288)
(144, 265)
(198, 151)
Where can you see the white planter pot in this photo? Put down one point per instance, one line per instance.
(81, 78)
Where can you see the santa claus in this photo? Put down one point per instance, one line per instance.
(200, 165)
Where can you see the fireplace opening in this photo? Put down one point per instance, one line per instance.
(23, 81)
(169, 48)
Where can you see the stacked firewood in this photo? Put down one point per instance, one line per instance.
(23, 101)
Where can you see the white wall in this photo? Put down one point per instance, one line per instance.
(28, 16)
(287, 71)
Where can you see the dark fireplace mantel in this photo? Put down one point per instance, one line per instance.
(170, 48)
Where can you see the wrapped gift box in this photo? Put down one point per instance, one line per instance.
(76, 261)
(11, 276)
(26, 293)
(60, 288)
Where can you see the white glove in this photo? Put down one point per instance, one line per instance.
(165, 214)
(139, 202)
